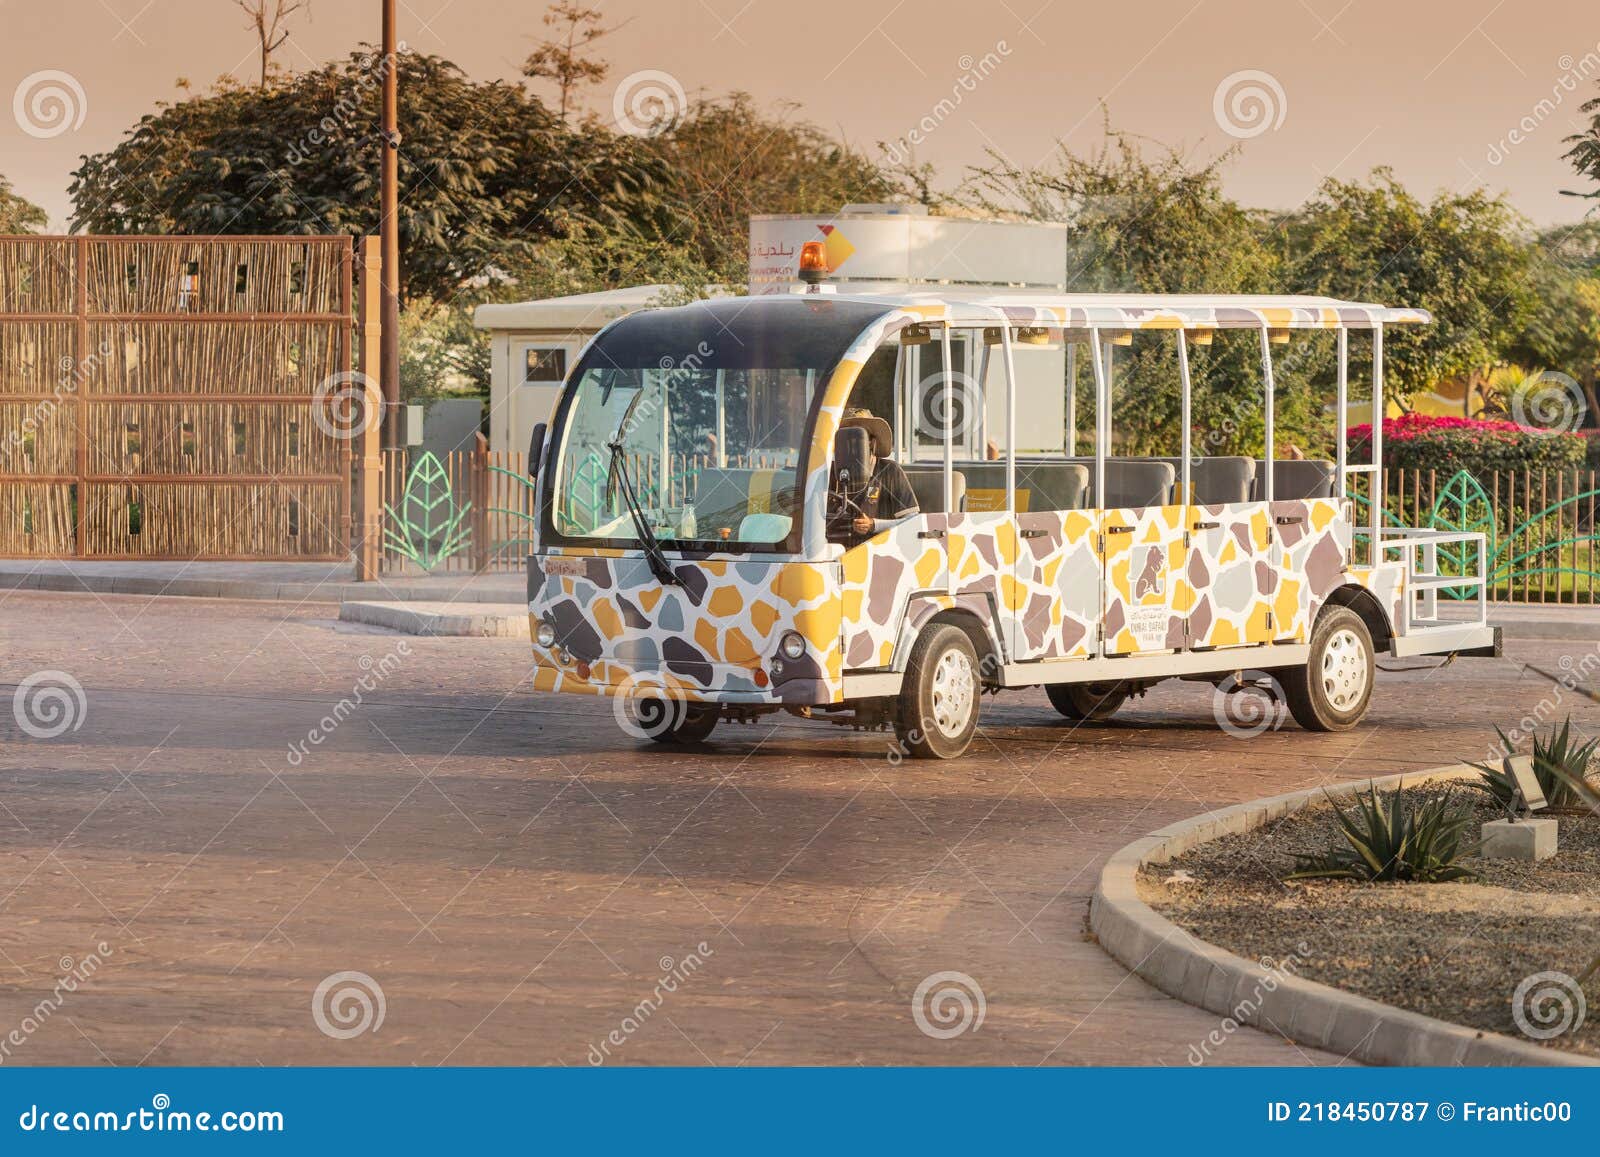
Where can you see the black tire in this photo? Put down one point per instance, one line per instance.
(1334, 689)
(1087, 701)
(695, 724)
(936, 714)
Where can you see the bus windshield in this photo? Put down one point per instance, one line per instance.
(707, 408)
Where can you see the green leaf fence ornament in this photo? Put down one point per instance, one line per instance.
(429, 527)
(1463, 505)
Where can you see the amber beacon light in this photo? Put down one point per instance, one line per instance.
(813, 263)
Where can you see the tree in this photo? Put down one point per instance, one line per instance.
(563, 60)
(267, 18)
(1152, 220)
(726, 159)
(17, 213)
(1461, 257)
(1136, 223)
(485, 170)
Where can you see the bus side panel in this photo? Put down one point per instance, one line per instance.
(1053, 601)
(880, 576)
(1231, 573)
(1143, 551)
(1311, 543)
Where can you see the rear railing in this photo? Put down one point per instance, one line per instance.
(1419, 548)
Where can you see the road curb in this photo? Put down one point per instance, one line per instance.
(1248, 992)
(209, 588)
(487, 621)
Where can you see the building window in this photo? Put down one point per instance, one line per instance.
(543, 365)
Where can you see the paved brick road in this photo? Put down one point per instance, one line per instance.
(514, 874)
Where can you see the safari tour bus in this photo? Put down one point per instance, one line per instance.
(874, 510)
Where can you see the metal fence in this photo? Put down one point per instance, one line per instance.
(1540, 525)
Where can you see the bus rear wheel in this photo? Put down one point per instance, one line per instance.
(937, 713)
(1087, 701)
(693, 725)
(1334, 689)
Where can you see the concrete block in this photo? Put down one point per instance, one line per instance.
(1530, 839)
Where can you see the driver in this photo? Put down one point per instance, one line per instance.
(887, 497)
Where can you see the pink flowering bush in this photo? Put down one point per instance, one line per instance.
(1481, 445)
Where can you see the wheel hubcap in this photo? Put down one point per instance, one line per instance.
(1344, 670)
(954, 688)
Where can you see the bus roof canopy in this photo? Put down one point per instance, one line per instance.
(1142, 311)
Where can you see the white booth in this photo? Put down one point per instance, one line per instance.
(870, 249)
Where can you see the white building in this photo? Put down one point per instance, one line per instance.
(870, 248)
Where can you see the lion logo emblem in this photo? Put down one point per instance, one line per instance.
(1149, 568)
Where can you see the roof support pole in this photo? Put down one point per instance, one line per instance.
(1341, 400)
(1011, 417)
(1185, 491)
(1268, 434)
(949, 422)
(1102, 425)
(1375, 499)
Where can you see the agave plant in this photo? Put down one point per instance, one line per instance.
(1560, 764)
(1387, 839)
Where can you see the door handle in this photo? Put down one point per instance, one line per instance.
(930, 534)
(1034, 532)
(1119, 530)
(1290, 519)
(1206, 525)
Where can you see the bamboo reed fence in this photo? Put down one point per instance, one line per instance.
(168, 397)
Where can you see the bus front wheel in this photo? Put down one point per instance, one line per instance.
(1334, 689)
(1087, 701)
(937, 712)
(694, 725)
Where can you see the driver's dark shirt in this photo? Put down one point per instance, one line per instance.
(888, 495)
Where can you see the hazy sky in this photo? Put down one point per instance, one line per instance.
(1441, 92)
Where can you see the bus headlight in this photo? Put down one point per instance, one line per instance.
(792, 645)
(546, 634)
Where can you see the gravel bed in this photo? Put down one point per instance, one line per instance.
(1452, 951)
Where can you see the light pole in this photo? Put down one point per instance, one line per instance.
(389, 228)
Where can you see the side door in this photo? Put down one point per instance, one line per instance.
(1232, 575)
(1052, 602)
(880, 577)
(1143, 557)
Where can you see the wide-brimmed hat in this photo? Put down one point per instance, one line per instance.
(877, 429)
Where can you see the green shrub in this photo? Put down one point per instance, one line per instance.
(1560, 766)
(1390, 840)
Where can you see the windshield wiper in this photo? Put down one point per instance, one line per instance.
(659, 566)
